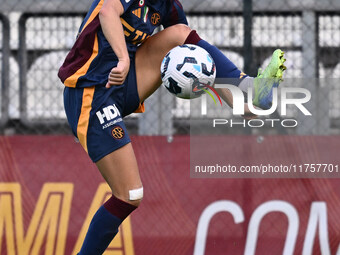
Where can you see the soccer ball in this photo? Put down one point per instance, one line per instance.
(187, 71)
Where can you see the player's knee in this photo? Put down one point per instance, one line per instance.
(132, 196)
(180, 32)
(182, 29)
(136, 202)
(136, 196)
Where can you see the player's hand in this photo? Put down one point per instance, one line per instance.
(118, 74)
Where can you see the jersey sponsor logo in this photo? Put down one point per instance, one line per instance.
(109, 113)
(141, 3)
(117, 132)
(155, 19)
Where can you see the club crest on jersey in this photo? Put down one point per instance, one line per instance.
(117, 132)
(155, 19)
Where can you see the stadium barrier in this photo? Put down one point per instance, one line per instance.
(41, 91)
(4, 71)
(47, 201)
(42, 35)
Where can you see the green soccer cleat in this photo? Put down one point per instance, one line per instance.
(268, 79)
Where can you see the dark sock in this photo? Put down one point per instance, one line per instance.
(104, 225)
(224, 67)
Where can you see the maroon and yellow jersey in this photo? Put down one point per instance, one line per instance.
(91, 58)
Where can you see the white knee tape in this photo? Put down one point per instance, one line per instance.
(136, 194)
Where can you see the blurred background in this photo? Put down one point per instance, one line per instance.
(35, 36)
(49, 189)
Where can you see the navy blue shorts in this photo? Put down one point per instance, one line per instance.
(96, 113)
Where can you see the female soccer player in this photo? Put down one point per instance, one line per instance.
(112, 68)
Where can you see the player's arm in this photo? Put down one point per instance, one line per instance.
(112, 27)
(226, 95)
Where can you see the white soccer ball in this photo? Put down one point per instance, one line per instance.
(187, 71)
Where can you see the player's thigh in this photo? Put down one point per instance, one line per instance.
(95, 116)
(120, 170)
(150, 54)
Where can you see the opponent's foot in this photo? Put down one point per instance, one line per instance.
(268, 79)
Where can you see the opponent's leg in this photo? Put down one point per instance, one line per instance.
(120, 171)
